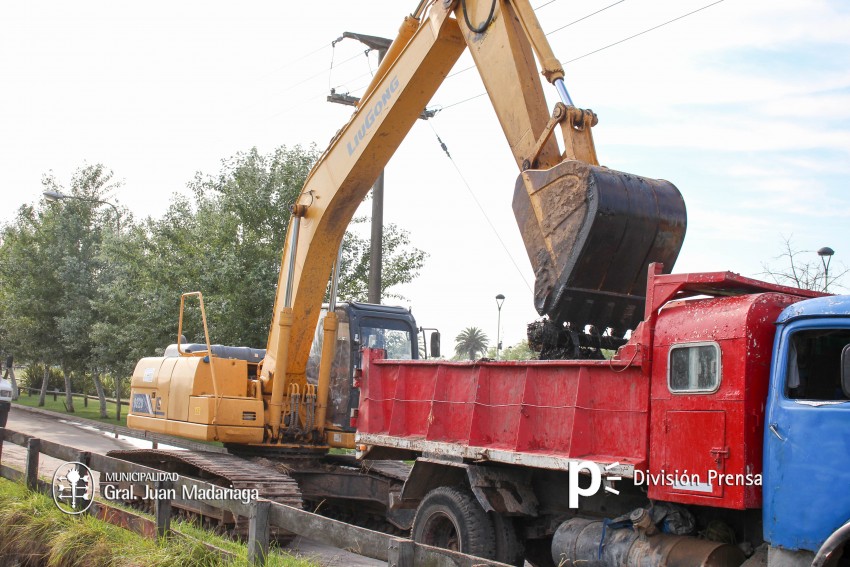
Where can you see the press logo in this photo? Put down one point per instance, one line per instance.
(594, 470)
(73, 488)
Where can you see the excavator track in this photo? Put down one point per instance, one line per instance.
(272, 483)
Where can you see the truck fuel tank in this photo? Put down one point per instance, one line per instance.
(591, 233)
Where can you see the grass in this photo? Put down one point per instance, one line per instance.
(34, 532)
(91, 412)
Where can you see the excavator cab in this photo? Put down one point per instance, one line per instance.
(360, 325)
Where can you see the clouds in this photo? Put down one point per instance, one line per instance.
(745, 106)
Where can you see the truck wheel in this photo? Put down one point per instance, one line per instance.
(509, 548)
(451, 518)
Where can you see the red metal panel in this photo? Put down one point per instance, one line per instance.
(542, 430)
(564, 409)
(413, 396)
(743, 326)
(454, 399)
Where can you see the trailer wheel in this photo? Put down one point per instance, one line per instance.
(451, 518)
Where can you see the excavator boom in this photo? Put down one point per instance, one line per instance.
(590, 233)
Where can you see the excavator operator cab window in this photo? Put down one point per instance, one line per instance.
(397, 342)
(342, 354)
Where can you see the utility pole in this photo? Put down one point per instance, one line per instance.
(376, 260)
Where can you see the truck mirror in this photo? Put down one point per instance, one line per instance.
(845, 370)
(435, 344)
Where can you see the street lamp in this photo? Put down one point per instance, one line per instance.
(500, 299)
(54, 196)
(825, 254)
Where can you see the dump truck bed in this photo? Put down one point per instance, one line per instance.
(535, 413)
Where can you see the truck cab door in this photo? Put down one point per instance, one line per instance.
(807, 435)
(689, 438)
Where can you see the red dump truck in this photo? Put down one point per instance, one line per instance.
(723, 422)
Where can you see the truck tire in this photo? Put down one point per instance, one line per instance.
(451, 518)
(509, 548)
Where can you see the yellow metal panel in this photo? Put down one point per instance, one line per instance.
(182, 380)
(146, 372)
(231, 411)
(346, 171)
(232, 376)
(225, 434)
(505, 61)
(163, 386)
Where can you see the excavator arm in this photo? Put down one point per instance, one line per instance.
(568, 208)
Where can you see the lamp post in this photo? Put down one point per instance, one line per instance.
(54, 196)
(500, 299)
(825, 254)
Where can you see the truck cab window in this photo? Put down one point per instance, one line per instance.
(694, 368)
(814, 365)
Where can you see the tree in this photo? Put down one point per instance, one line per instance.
(29, 287)
(78, 293)
(519, 351)
(401, 263)
(803, 269)
(470, 342)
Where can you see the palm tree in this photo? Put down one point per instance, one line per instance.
(470, 342)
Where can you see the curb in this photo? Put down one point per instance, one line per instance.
(126, 431)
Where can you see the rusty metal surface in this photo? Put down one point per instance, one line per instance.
(587, 542)
(591, 233)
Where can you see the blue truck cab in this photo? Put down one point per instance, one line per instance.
(806, 510)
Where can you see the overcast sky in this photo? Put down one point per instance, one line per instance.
(745, 106)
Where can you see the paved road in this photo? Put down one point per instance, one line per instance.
(67, 432)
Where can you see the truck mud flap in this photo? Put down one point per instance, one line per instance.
(591, 233)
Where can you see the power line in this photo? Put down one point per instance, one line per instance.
(661, 25)
(551, 32)
(645, 31)
(297, 60)
(480, 207)
(585, 17)
(545, 4)
(322, 72)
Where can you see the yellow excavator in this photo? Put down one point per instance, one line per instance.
(590, 233)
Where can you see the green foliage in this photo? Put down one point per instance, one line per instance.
(92, 411)
(519, 351)
(34, 532)
(33, 375)
(470, 343)
(80, 292)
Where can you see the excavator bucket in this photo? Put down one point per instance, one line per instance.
(591, 233)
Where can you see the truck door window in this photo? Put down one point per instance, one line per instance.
(694, 368)
(814, 365)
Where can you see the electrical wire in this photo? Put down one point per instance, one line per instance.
(551, 32)
(543, 5)
(586, 17)
(645, 31)
(480, 207)
(322, 72)
(661, 25)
